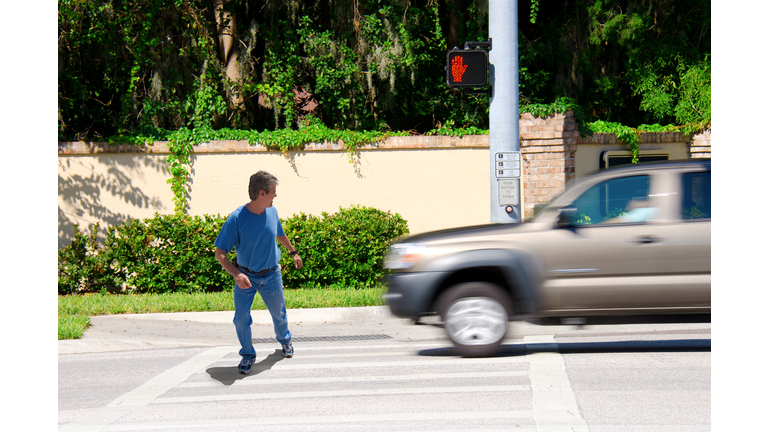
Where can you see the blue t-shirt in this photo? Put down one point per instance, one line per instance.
(253, 237)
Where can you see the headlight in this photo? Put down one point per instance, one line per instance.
(404, 255)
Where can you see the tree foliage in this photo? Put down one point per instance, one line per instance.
(128, 66)
(624, 61)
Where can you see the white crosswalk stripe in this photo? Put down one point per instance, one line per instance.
(222, 424)
(345, 393)
(379, 378)
(554, 403)
(348, 387)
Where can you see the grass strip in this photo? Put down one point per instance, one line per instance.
(75, 310)
(73, 326)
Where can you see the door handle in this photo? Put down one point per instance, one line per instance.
(647, 240)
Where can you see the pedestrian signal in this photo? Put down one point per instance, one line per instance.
(467, 68)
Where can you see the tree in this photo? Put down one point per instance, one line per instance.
(134, 65)
(621, 60)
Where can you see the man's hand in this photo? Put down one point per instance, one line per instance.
(287, 244)
(242, 281)
(240, 278)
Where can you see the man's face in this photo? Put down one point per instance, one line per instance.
(270, 196)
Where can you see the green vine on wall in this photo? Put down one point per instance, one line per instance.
(178, 162)
(561, 106)
(181, 142)
(630, 135)
(449, 129)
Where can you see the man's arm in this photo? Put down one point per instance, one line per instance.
(240, 278)
(297, 262)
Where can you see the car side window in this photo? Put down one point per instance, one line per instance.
(619, 200)
(697, 195)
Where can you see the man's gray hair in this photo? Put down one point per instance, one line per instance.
(262, 180)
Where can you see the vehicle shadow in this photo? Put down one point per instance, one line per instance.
(228, 375)
(633, 346)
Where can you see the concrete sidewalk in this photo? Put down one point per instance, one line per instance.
(133, 332)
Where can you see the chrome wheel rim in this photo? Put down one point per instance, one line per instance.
(476, 321)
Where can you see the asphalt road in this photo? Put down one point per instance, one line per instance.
(364, 370)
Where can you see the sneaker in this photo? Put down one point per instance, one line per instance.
(245, 366)
(288, 350)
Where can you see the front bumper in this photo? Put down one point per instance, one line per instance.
(411, 295)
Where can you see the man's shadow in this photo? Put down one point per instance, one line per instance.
(228, 375)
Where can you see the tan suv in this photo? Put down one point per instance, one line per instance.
(628, 244)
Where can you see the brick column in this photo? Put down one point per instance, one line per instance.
(548, 146)
(700, 145)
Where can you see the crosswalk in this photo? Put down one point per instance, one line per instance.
(350, 386)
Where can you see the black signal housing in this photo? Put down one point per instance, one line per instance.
(467, 68)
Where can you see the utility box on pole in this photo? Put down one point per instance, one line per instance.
(504, 120)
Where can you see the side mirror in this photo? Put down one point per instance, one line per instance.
(567, 217)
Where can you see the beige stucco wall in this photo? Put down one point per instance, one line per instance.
(589, 149)
(430, 188)
(110, 189)
(433, 182)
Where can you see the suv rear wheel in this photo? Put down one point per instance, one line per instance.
(476, 317)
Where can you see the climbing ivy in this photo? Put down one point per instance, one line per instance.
(450, 129)
(561, 105)
(630, 135)
(180, 142)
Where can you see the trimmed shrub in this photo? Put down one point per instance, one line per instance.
(167, 253)
(82, 266)
(346, 248)
(175, 253)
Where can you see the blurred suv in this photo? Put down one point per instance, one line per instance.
(630, 244)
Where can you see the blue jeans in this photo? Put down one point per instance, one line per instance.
(270, 287)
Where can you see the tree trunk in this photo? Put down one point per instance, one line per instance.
(226, 25)
(455, 25)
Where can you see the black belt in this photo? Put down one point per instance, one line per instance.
(261, 272)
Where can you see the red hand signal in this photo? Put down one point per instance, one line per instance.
(457, 68)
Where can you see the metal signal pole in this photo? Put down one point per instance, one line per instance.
(504, 120)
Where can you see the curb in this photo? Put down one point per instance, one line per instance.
(306, 316)
(92, 346)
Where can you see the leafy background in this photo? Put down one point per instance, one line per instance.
(145, 67)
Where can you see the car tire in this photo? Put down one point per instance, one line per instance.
(476, 317)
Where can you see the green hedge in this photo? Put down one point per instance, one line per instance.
(175, 253)
(165, 253)
(345, 248)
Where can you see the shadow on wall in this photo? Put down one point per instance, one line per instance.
(83, 197)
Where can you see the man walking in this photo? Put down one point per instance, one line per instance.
(252, 229)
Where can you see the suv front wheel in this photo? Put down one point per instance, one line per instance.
(476, 317)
